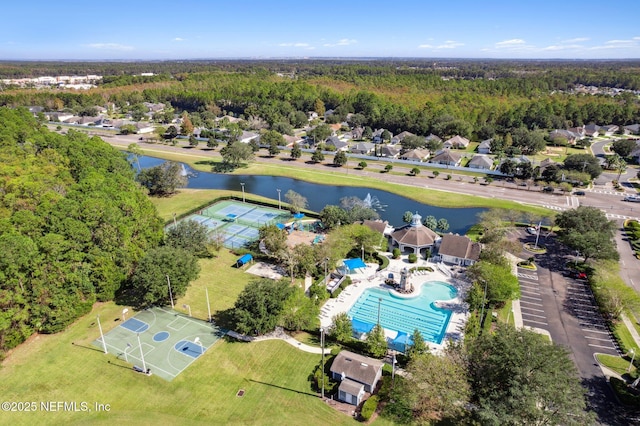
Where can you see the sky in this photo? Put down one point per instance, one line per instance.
(216, 29)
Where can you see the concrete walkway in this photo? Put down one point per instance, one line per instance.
(632, 329)
(279, 334)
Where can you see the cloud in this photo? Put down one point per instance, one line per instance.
(110, 46)
(294, 45)
(448, 44)
(619, 44)
(341, 42)
(515, 42)
(178, 39)
(575, 40)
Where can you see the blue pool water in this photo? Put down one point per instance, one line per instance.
(406, 314)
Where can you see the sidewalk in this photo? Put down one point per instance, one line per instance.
(632, 329)
(279, 334)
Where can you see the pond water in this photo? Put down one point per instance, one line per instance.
(389, 206)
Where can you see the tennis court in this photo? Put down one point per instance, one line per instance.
(162, 340)
(237, 223)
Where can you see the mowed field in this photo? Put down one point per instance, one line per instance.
(66, 367)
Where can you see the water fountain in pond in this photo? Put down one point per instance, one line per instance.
(373, 203)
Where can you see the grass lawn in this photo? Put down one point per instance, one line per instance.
(65, 367)
(616, 363)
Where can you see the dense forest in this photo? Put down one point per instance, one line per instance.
(471, 98)
(73, 225)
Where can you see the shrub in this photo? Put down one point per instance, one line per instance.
(413, 258)
(369, 407)
(625, 394)
(396, 253)
(383, 261)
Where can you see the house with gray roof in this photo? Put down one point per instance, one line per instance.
(592, 130)
(377, 135)
(480, 161)
(485, 146)
(458, 250)
(609, 129)
(457, 142)
(447, 157)
(365, 148)
(631, 129)
(358, 374)
(337, 143)
(389, 151)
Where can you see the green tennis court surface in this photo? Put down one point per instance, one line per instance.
(238, 223)
(170, 341)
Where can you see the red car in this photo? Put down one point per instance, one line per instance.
(578, 275)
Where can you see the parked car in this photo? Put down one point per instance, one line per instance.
(531, 230)
(582, 193)
(548, 189)
(578, 275)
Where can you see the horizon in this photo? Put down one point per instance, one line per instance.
(286, 29)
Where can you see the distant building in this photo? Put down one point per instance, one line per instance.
(357, 374)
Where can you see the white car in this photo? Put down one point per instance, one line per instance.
(531, 230)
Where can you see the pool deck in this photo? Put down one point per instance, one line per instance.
(369, 278)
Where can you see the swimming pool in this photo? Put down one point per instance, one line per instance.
(404, 315)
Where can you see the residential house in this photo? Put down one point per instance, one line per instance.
(416, 155)
(480, 161)
(609, 129)
(546, 163)
(447, 157)
(377, 135)
(457, 142)
(290, 141)
(312, 115)
(58, 116)
(357, 132)
(631, 129)
(592, 130)
(578, 131)
(402, 135)
(144, 127)
(458, 249)
(567, 135)
(485, 146)
(154, 107)
(338, 144)
(328, 113)
(389, 151)
(74, 119)
(358, 374)
(365, 148)
(433, 137)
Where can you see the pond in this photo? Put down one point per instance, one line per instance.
(389, 206)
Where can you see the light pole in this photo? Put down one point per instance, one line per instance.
(187, 307)
(208, 304)
(104, 344)
(322, 347)
(362, 248)
(170, 294)
(279, 202)
(242, 185)
(633, 355)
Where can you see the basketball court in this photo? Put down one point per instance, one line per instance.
(161, 340)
